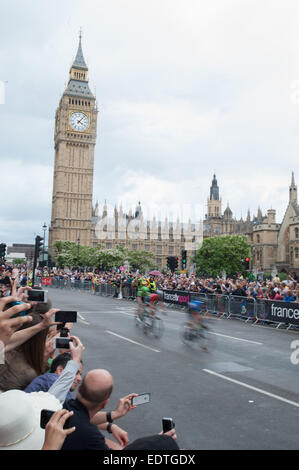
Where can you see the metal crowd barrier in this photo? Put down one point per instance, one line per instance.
(247, 309)
(105, 290)
(244, 308)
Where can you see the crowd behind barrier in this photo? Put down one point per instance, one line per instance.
(266, 311)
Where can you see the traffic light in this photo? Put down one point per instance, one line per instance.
(184, 259)
(38, 245)
(2, 250)
(37, 250)
(172, 262)
(247, 262)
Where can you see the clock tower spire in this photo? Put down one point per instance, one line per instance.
(74, 144)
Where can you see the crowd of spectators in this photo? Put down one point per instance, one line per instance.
(274, 289)
(34, 376)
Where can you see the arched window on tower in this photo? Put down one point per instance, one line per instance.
(296, 232)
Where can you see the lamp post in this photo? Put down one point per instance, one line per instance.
(78, 241)
(44, 227)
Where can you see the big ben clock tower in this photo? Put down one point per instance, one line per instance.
(75, 139)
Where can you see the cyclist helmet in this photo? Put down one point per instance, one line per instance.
(195, 305)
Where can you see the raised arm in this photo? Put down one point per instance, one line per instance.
(62, 385)
(20, 337)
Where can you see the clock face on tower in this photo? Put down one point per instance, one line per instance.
(79, 121)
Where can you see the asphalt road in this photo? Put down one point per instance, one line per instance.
(244, 394)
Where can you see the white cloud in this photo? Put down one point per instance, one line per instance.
(25, 203)
(184, 88)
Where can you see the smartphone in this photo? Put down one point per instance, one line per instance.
(45, 416)
(62, 343)
(66, 316)
(20, 314)
(36, 295)
(141, 399)
(167, 424)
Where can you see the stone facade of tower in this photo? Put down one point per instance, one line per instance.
(275, 246)
(75, 138)
(163, 238)
(216, 223)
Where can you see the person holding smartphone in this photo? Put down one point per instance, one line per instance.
(25, 354)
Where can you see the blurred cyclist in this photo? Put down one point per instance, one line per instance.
(194, 314)
(142, 293)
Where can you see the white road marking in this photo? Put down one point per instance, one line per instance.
(129, 314)
(82, 319)
(255, 389)
(84, 322)
(237, 339)
(113, 311)
(131, 341)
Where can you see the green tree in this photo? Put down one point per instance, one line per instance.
(19, 261)
(141, 259)
(218, 254)
(71, 254)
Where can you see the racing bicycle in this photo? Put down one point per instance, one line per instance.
(150, 324)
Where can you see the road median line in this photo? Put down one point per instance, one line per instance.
(237, 339)
(250, 387)
(131, 341)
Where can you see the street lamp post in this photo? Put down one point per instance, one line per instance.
(44, 227)
(78, 241)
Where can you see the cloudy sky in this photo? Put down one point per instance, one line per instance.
(184, 88)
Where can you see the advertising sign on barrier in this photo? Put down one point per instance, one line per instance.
(282, 312)
(176, 297)
(46, 281)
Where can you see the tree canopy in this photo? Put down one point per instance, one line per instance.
(218, 254)
(70, 254)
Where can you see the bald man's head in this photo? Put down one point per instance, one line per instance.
(96, 387)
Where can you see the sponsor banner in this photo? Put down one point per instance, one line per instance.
(282, 312)
(46, 281)
(243, 306)
(176, 297)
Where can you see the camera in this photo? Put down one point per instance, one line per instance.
(45, 416)
(37, 295)
(62, 342)
(66, 316)
(167, 424)
(141, 399)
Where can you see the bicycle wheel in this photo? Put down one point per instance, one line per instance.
(138, 321)
(187, 334)
(157, 327)
(147, 323)
(206, 339)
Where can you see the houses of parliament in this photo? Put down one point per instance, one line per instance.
(275, 246)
